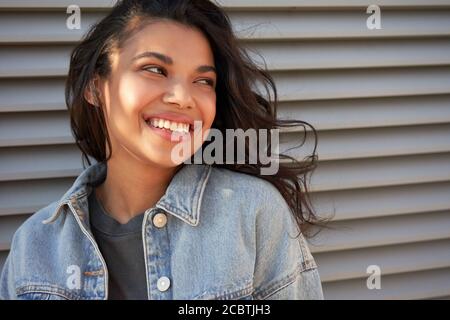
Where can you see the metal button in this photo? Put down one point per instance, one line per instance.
(159, 220)
(163, 284)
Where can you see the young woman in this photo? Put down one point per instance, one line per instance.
(141, 223)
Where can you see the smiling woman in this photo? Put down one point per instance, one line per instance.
(139, 225)
(155, 82)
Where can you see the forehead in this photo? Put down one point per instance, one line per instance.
(182, 43)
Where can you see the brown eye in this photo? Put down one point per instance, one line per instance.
(208, 82)
(154, 68)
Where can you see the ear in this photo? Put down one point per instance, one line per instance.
(91, 93)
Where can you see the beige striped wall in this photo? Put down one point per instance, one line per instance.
(380, 100)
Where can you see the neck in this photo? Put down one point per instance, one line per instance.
(132, 187)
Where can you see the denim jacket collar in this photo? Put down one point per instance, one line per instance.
(182, 199)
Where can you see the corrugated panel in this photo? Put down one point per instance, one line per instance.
(374, 142)
(409, 285)
(380, 112)
(392, 259)
(380, 100)
(238, 4)
(27, 196)
(383, 231)
(41, 128)
(251, 25)
(383, 201)
(40, 162)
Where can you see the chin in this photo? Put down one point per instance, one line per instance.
(163, 161)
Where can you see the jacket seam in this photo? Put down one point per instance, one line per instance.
(218, 294)
(273, 288)
(307, 261)
(47, 289)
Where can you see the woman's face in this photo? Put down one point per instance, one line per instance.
(162, 76)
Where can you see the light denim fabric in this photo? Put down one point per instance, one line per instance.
(228, 235)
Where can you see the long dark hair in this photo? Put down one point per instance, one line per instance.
(238, 105)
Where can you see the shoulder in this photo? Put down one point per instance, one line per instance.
(33, 232)
(251, 195)
(245, 187)
(284, 265)
(252, 201)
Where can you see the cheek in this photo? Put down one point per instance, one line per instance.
(209, 111)
(134, 94)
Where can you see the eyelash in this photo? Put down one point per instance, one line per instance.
(209, 81)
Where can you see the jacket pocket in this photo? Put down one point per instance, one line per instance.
(44, 292)
(240, 291)
(39, 296)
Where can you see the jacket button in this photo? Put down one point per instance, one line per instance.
(159, 220)
(163, 284)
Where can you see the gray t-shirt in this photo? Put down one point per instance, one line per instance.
(122, 248)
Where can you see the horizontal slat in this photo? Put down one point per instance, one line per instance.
(34, 61)
(31, 94)
(382, 231)
(8, 226)
(361, 83)
(55, 4)
(40, 27)
(383, 201)
(412, 285)
(268, 25)
(369, 143)
(53, 60)
(365, 173)
(288, 25)
(22, 197)
(330, 4)
(34, 129)
(238, 4)
(369, 113)
(337, 54)
(350, 264)
(39, 162)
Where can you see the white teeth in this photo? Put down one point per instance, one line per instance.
(173, 126)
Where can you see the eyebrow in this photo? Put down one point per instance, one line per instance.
(168, 60)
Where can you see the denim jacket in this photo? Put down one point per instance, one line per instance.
(227, 235)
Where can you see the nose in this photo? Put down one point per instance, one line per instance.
(179, 95)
